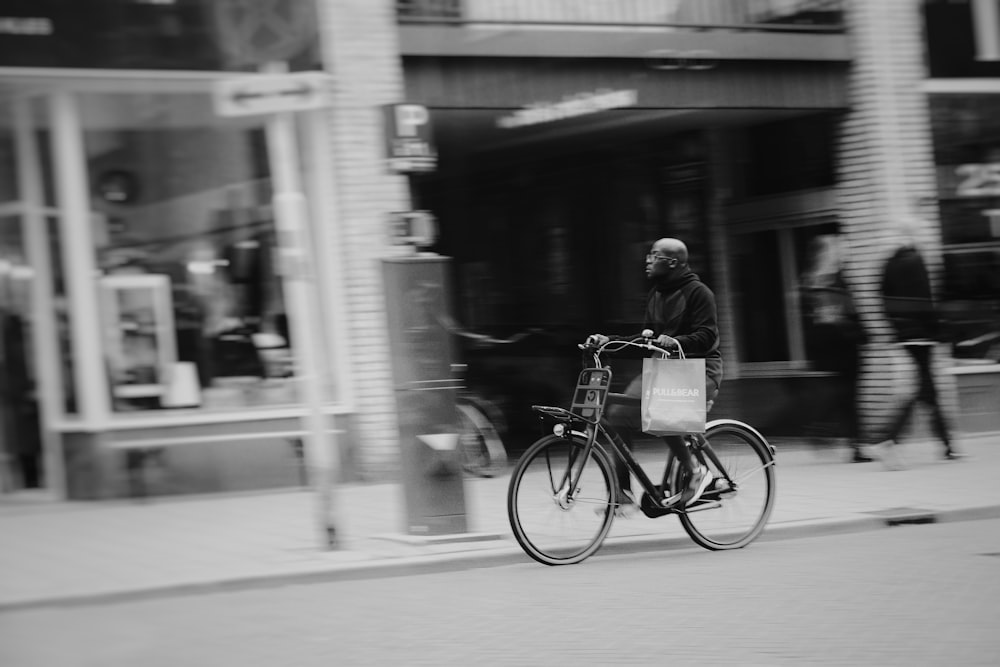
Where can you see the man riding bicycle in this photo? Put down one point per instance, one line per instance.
(681, 312)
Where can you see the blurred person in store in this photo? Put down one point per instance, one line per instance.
(909, 305)
(834, 337)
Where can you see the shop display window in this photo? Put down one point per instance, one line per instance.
(966, 131)
(769, 267)
(192, 308)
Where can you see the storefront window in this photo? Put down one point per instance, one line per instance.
(191, 306)
(966, 133)
(769, 265)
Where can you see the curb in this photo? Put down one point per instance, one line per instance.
(508, 554)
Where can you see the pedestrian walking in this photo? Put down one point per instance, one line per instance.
(834, 337)
(909, 306)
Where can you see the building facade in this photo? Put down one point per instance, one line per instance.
(144, 288)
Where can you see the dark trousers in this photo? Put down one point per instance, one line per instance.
(848, 398)
(926, 393)
(846, 403)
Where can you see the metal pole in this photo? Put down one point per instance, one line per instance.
(291, 218)
(49, 391)
(90, 378)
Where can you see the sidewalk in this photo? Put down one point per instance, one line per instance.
(64, 553)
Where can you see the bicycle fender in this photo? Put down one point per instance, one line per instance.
(736, 422)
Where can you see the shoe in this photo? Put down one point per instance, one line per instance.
(890, 456)
(861, 457)
(700, 479)
(951, 455)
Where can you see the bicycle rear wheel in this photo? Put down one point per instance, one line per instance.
(552, 525)
(482, 450)
(732, 516)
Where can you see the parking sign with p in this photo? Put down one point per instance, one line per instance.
(409, 143)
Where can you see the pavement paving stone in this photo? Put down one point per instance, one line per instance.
(59, 552)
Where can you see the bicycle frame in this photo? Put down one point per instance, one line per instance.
(559, 468)
(589, 401)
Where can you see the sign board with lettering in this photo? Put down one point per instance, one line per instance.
(413, 228)
(409, 139)
(571, 106)
(978, 180)
(272, 93)
(967, 181)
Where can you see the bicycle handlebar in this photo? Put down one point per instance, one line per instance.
(643, 342)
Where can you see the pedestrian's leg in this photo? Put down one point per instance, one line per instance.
(906, 409)
(929, 395)
(888, 453)
(851, 416)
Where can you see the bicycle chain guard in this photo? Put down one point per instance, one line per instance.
(650, 508)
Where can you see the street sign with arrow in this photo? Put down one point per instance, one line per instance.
(272, 93)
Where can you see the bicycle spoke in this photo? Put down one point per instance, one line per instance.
(733, 517)
(750, 473)
(547, 516)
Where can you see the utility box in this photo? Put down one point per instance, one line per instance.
(423, 350)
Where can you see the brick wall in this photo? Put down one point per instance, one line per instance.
(360, 50)
(885, 169)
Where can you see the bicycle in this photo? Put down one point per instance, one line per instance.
(480, 446)
(563, 493)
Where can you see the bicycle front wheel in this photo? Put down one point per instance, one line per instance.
(553, 523)
(737, 504)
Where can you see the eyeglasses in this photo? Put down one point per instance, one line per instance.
(653, 258)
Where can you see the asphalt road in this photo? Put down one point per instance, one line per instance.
(910, 595)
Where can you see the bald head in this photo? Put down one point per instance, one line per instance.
(667, 257)
(673, 248)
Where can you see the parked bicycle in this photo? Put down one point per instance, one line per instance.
(563, 491)
(482, 448)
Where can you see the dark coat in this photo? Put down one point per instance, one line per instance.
(907, 298)
(684, 308)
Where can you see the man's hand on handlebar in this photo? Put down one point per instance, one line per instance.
(666, 342)
(596, 340)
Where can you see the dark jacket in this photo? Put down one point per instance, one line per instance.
(683, 307)
(906, 294)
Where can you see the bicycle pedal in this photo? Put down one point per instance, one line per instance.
(672, 500)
